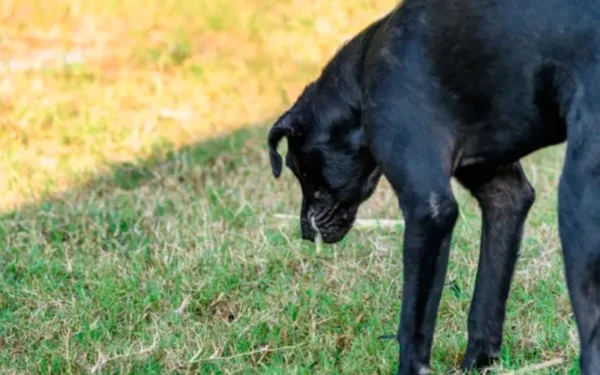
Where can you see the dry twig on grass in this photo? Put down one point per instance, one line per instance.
(181, 309)
(266, 349)
(536, 367)
(360, 224)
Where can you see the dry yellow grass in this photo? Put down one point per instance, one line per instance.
(147, 73)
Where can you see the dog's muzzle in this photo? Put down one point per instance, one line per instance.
(332, 225)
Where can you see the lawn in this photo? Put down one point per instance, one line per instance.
(137, 229)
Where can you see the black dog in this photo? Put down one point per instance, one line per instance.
(459, 88)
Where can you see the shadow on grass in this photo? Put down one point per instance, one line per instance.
(128, 176)
(98, 263)
(109, 205)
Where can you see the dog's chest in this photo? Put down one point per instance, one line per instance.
(516, 115)
(509, 134)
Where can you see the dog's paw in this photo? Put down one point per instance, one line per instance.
(421, 370)
(478, 359)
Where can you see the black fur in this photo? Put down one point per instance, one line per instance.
(459, 88)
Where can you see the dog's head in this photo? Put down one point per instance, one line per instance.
(328, 155)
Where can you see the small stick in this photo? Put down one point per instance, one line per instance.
(364, 224)
(264, 350)
(377, 223)
(184, 305)
(539, 366)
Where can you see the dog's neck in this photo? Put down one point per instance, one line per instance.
(339, 85)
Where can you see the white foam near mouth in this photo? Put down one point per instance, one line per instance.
(318, 235)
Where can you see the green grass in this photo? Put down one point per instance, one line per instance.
(92, 280)
(130, 242)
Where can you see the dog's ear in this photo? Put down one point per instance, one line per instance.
(283, 127)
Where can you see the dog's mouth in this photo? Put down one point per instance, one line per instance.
(326, 237)
(330, 229)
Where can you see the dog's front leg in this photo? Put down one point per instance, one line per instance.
(429, 224)
(430, 212)
(505, 197)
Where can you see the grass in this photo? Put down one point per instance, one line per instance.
(130, 242)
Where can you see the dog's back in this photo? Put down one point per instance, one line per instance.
(507, 65)
(476, 44)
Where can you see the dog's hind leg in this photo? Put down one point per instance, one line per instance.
(579, 214)
(505, 197)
